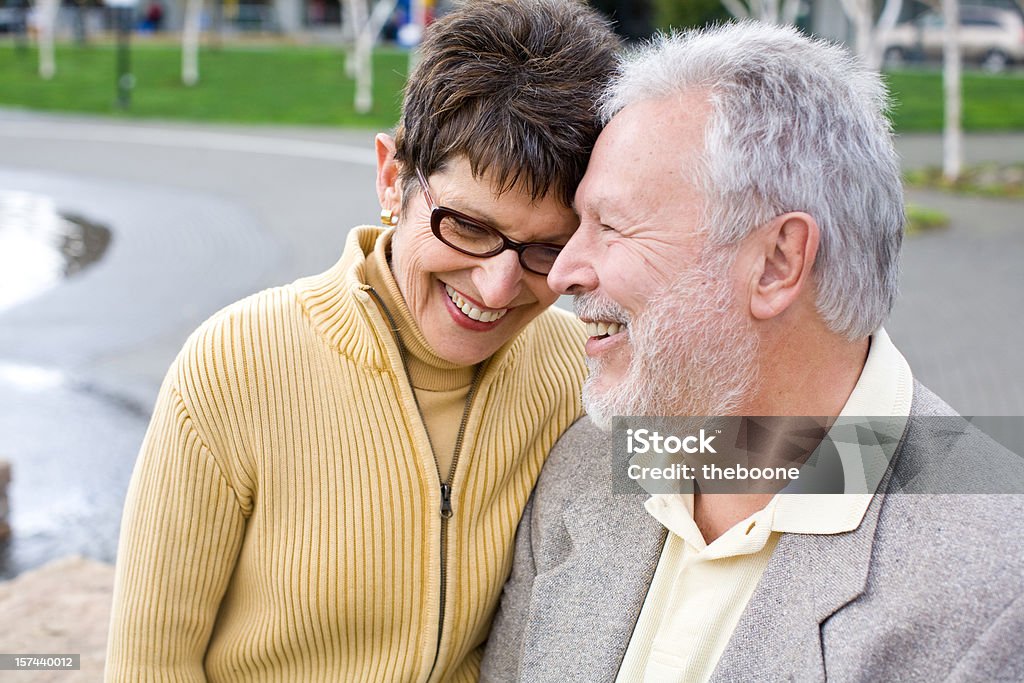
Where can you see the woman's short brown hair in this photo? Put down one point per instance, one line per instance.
(512, 86)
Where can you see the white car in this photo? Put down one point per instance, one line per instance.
(11, 18)
(989, 36)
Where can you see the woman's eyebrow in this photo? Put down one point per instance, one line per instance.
(481, 216)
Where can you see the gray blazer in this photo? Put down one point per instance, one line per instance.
(928, 587)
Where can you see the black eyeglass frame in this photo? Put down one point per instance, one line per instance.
(439, 213)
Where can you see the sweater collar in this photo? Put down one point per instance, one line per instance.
(337, 303)
(427, 370)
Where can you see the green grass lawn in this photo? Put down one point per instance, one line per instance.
(307, 85)
(293, 85)
(990, 102)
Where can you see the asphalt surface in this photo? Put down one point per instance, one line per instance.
(202, 215)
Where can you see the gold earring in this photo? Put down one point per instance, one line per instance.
(388, 217)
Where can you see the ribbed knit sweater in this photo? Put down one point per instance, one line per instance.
(283, 521)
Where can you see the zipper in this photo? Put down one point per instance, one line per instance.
(446, 483)
(446, 501)
(446, 514)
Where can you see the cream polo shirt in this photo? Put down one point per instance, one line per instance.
(699, 591)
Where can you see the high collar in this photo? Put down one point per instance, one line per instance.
(427, 370)
(344, 313)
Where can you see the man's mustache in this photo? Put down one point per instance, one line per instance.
(593, 306)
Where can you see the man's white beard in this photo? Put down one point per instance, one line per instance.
(692, 353)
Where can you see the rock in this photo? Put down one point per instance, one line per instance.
(60, 608)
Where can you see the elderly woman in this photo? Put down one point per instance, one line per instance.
(333, 475)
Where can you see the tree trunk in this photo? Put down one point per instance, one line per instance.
(952, 132)
(365, 41)
(790, 11)
(869, 35)
(47, 26)
(355, 19)
(190, 42)
(80, 33)
(419, 19)
(737, 9)
(768, 11)
(890, 15)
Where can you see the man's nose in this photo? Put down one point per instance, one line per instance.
(573, 271)
(499, 279)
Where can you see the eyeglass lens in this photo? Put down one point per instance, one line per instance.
(483, 241)
(477, 239)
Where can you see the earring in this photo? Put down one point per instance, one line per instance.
(388, 217)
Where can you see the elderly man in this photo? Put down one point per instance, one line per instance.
(741, 223)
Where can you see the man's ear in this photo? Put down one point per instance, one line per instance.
(389, 190)
(785, 248)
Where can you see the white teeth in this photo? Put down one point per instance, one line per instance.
(600, 329)
(472, 311)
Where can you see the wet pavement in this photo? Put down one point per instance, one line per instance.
(197, 219)
(200, 216)
(74, 401)
(40, 246)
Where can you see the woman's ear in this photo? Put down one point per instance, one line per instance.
(389, 188)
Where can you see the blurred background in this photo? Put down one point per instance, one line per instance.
(160, 159)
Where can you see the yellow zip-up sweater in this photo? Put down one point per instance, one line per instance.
(283, 520)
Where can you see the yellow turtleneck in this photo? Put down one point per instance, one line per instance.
(441, 386)
(284, 519)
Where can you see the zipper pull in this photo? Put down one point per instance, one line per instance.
(446, 501)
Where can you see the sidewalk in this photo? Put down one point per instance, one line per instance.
(957, 319)
(918, 150)
(961, 289)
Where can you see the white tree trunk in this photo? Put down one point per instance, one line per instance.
(419, 20)
(47, 18)
(859, 12)
(952, 131)
(355, 20)
(790, 11)
(868, 34)
(737, 9)
(190, 42)
(890, 15)
(365, 41)
(769, 11)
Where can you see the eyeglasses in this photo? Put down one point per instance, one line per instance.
(468, 235)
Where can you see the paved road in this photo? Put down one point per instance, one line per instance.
(203, 215)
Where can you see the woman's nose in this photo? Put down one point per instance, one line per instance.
(499, 279)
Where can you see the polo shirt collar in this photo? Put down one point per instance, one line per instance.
(883, 392)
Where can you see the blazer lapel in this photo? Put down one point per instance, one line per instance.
(584, 609)
(808, 579)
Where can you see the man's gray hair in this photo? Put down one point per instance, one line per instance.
(797, 124)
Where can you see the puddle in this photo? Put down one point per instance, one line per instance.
(41, 245)
(29, 377)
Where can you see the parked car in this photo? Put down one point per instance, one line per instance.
(989, 36)
(12, 18)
